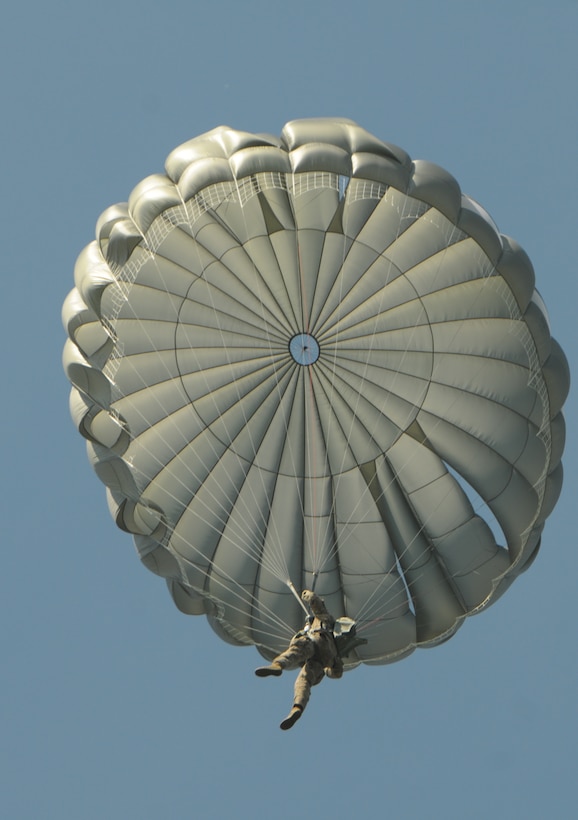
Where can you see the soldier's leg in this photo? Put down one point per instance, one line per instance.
(299, 650)
(310, 675)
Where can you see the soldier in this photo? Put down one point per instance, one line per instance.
(314, 650)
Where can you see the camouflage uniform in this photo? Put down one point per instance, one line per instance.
(314, 650)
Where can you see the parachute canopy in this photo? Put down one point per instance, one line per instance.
(309, 362)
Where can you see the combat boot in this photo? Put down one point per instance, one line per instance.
(292, 717)
(265, 671)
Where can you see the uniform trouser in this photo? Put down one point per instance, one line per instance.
(310, 675)
(301, 653)
(299, 650)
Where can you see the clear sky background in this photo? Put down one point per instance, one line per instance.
(114, 704)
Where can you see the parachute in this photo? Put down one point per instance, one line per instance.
(311, 362)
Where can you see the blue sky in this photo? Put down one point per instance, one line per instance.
(114, 704)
